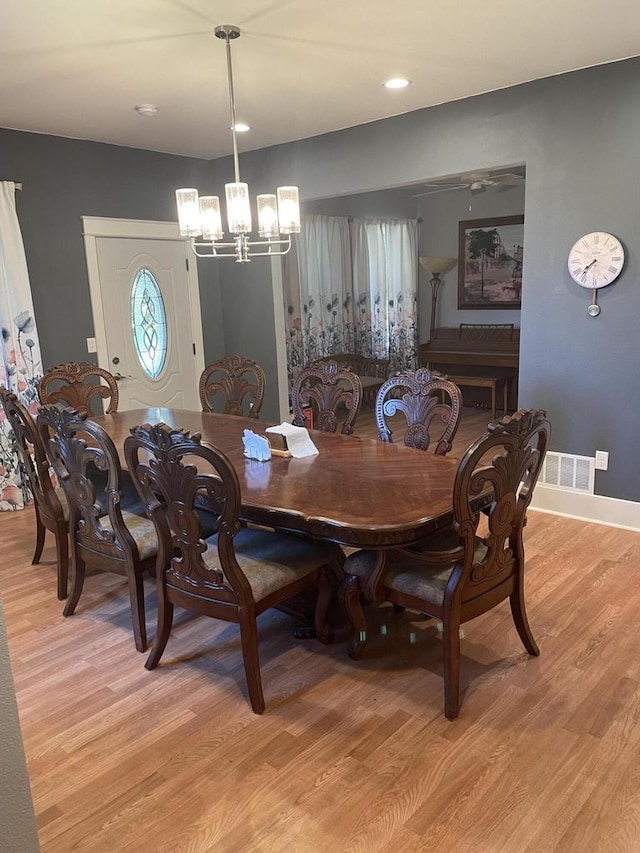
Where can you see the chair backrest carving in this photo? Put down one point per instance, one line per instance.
(431, 404)
(175, 474)
(507, 461)
(86, 463)
(327, 388)
(32, 455)
(239, 381)
(74, 384)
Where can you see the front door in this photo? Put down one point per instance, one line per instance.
(151, 336)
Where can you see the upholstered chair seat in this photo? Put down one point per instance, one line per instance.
(268, 560)
(423, 575)
(141, 529)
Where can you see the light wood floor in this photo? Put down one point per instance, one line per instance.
(349, 756)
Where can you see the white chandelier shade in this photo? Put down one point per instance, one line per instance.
(201, 216)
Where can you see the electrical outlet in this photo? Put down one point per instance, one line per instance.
(602, 460)
(91, 345)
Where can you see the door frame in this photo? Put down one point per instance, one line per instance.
(141, 229)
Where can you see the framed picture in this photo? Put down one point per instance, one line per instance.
(490, 262)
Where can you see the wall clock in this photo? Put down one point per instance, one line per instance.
(595, 260)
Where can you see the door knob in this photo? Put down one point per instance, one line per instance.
(119, 376)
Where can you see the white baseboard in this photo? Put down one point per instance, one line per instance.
(613, 512)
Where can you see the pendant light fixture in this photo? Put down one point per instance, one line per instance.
(200, 216)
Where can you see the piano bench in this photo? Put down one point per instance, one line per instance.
(491, 382)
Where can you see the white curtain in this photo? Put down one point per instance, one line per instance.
(386, 264)
(351, 286)
(20, 362)
(318, 292)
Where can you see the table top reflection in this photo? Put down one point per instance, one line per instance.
(356, 491)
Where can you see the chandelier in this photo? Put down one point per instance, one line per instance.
(200, 216)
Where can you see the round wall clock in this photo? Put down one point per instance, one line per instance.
(595, 260)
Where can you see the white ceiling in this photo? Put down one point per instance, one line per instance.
(301, 67)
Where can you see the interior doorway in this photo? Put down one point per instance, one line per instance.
(440, 204)
(146, 311)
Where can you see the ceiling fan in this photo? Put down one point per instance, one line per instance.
(475, 182)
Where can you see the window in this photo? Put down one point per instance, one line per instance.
(148, 323)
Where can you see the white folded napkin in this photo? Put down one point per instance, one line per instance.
(299, 442)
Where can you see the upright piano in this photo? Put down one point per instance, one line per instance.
(475, 349)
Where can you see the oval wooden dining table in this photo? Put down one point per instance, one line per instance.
(357, 491)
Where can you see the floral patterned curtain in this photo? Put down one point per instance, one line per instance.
(351, 286)
(385, 269)
(20, 361)
(318, 292)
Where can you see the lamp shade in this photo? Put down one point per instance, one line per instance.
(238, 209)
(188, 212)
(436, 266)
(210, 217)
(267, 215)
(288, 210)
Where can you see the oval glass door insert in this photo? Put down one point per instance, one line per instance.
(148, 323)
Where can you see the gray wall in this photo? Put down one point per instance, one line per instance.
(65, 179)
(247, 312)
(440, 214)
(17, 822)
(582, 175)
(399, 204)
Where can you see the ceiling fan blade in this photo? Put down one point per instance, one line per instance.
(508, 179)
(441, 190)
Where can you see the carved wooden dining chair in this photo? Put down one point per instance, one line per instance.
(430, 403)
(464, 570)
(327, 388)
(237, 382)
(51, 508)
(234, 575)
(105, 532)
(78, 385)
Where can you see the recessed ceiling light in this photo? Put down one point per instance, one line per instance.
(241, 127)
(146, 109)
(396, 83)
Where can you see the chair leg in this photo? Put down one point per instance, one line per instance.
(249, 640)
(353, 607)
(136, 598)
(451, 660)
(41, 532)
(326, 586)
(77, 582)
(163, 629)
(62, 556)
(519, 613)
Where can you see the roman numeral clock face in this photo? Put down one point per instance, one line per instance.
(595, 261)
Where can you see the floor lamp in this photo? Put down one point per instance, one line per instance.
(436, 266)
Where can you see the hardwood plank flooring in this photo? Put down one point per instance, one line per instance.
(349, 756)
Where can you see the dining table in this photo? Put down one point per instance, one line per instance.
(356, 491)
